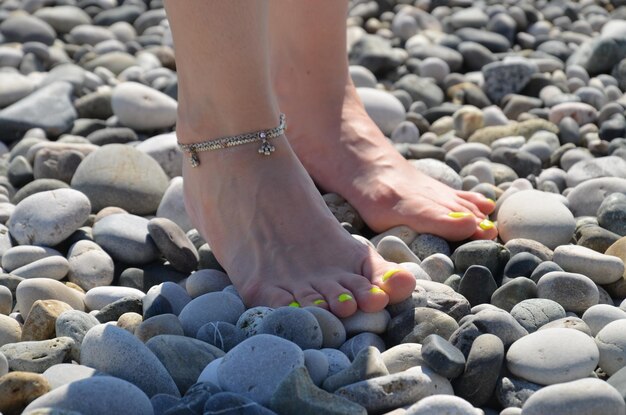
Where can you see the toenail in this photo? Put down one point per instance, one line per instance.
(318, 302)
(491, 200)
(344, 297)
(486, 225)
(390, 274)
(459, 215)
(294, 304)
(376, 290)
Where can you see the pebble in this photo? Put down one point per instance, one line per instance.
(115, 351)
(54, 267)
(41, 319)
(531, 214)
(575, 292)
(14, 87)
(106, 394)
(143, 108)
(534, 313)
(64, 373)
(384, 109)
(415, 324)
(172, 206)
(441, 356)
(126, 238)
(392, 391)
(206, 281)
(75, 324)
(250, 320)
(89, 265)
(442, 404)
(317, 365)
(99, 297)
(477, 285)
(66, 210)
(587, 169)
(553, 356)
(582, 396)
(600, 268)
(611, 343)
(513, 292)
(599, 315)
(183, 357)
(502, 78)
(126, 178)
(367, 364)
(37, 356)
(360, 321)
(482, 369)
(586, 198)
(297, 393)
(393, 249)
(48, 108)
(18, 389)
(30, 290)
(512, 392)
(354, 345)
(402, 357)
(164, 149)
(249, 367)
(173, 244)
(611, 213)
(489, 254)
(211, 307)
(174, 294)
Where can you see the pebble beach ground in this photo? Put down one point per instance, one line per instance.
(111, 303)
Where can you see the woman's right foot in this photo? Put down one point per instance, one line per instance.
(272, 232)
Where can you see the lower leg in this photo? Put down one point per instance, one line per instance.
(262, 216)
(339, 145)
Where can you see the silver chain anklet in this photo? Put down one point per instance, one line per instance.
(224, 142)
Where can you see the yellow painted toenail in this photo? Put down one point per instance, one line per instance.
(486, 225)
(294, 304)
(318, 302)
(390, 274)
(376, 290)
(491, 200)
(345, 297)
(459, 215)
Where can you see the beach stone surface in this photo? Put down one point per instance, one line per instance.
(115, 351)
(18, 389)
(126, 178)
(248, 368)
(66, 211)
(583, 396)
(107, 393)
(574, 292)
(553, 356)
(126, 238)
(537, 216)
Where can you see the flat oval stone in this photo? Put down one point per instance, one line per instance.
(580, 397)
(536, 312)
(333, 331)
(18, 389)
(31, 290)
(442, 404)
(584, 170)
(125, 237)
(611, 342)
(10, 330)
(211, 307)
(553, 356)
(385, 393)
(119, 175)
(102, 394)
(586, 198)
(183, 357)
(66, 211)
(535, 215)
(489, 254)
(64, 373)
(600, 268)
(484, 361)
(384, 108)
(54, 267)
(402, 357)
(513, 292)
(599, 315)
(89, 265)
(371, 322)
(37, 356)
(115, 351)
(206, 281)
(250, 368)
(575, 292)
(295, 325)
(143, 108)
(99, 297)
(21, 255)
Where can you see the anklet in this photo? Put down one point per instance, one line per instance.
(224, 142)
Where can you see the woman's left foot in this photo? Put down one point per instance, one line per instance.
(346, 153)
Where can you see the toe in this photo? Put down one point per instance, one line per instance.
(310, 297)
(272, 296)
(369, 298)
(396, 282)
(341, 302)
(485, 229)
(451, 225)
(484, 204)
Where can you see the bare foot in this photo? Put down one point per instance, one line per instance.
(271, 230)
(346, 153)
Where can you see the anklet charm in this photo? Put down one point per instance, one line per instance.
(264, 135)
